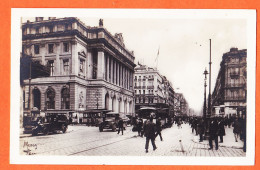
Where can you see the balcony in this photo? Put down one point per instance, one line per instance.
(238, 98)
(137, 87)
(150, 87)
(234, 74)
(238, 85)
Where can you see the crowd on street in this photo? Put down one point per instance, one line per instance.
(211, 129)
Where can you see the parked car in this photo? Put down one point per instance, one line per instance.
(109, 121)
(50, 124)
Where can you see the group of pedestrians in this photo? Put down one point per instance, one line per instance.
(215, 129)
(150, 130)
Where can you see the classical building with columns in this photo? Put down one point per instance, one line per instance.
(230, 92)
(91, 70)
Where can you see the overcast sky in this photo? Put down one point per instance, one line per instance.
(183, 46)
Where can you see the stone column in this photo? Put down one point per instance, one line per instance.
(108, 67)
(114, 71)
(57, 60)
(89, 67)
(101, 65)
(111, 70)
(118, 74)
(74, 58)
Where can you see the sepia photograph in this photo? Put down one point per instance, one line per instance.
(126, 86)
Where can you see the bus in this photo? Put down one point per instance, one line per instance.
(147, 112)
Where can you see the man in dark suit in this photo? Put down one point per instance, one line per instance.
(120, 126)
(213, 133)
(149, 130)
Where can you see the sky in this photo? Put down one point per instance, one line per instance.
(183, 45)
(184, 48)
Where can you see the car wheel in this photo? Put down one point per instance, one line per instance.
(64, 128)
(34, 133)
(46, 131)
(113, 128)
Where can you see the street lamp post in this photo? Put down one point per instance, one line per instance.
(209, 99)
(205, 85)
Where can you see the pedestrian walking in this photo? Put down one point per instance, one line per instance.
(201, 128)
(179, 122)
(243, 131)
(120, 126)
(221, 131)
(159, 128)
(213, 133)
(149, 132)
(237, 128)
(140, 126)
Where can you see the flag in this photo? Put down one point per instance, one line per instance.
(156, 59)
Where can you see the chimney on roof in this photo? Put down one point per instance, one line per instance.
(100, 22)
(37, 19)
(233, 49)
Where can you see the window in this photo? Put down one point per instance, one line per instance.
(81, 66)
(94, 76)
(36, 49)
(65, 98)
(50, 48)
(50, 99)
(143, 100)
(50, 65)
(65, 47)
(139, 91)
(51, 28)
(66, 27)
(37, 30)
(143, 91)
(66, 67)
(135, 91)
(135, 77)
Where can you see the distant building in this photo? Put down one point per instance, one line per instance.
(90, 69)
(152, 89)
(229, 95)
(180, 105)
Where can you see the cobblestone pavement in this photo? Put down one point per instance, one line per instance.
(83, 140)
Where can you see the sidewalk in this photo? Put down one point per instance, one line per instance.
(228, 140)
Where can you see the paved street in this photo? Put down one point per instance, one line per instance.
(83, 140)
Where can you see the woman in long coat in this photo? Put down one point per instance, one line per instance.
(221, 132)
(237, 128)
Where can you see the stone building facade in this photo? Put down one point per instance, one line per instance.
(230, 91)
(152, 89)
(90, 69)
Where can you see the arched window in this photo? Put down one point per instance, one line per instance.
(107, 101)
(37, 98)
(65, 98)
(114, 104)
(50, 99)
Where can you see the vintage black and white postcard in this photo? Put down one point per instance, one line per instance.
(133, 86)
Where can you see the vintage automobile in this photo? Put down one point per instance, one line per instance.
(110, 121)
(50, 124)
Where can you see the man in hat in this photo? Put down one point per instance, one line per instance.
(149, 130)
(213, 133)
(159, 128)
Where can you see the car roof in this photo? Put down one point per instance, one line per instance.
(112, 113)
